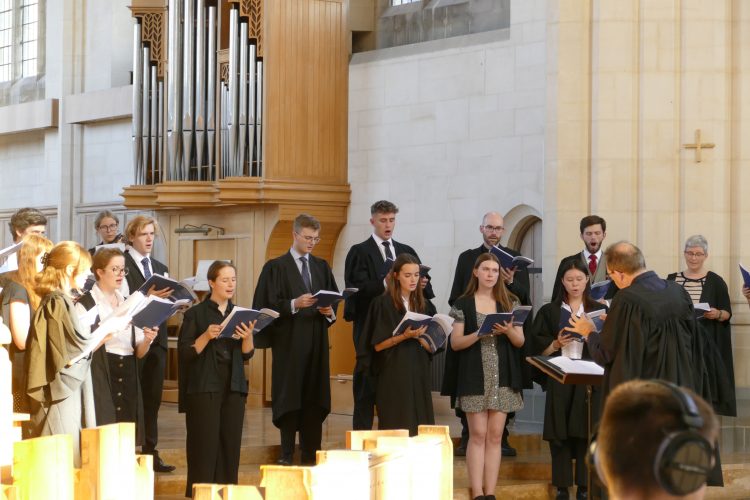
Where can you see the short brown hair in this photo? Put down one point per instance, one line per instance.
(592, 220)
(383, 207)
(306, 220)
(23, 218)
(137, 224)
(102, 258)
(625, 257)
(215, 267)
(625, 455)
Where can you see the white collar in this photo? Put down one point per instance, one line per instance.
(580, 311)
(598, 254)
(101, 298)
(380, 240)
(137, 256)
(298, 255)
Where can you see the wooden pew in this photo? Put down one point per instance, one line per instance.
(43, 468)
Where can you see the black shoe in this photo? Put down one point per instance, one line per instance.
(489, 497)
(459, 451)
(480, 497)
(582, 493)
(160, 466)
(306, 459)
(562, 494)
(284, 460)
(508, 450)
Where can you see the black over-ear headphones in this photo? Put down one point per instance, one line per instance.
(684, 457)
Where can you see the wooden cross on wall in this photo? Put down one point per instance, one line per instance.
(698, 146)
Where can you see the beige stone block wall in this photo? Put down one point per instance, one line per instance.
(628, 85)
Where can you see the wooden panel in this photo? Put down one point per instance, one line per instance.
(306, 83)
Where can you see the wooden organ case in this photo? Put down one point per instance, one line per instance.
(239, 124)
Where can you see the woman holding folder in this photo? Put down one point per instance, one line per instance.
(114, 369)
(565, 411)
(715, 331)
(212, 383)
(400, 363)
(488, 379)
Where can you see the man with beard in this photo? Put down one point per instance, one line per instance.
(517, 282)
(593, 231)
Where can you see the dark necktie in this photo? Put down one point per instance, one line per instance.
(388, 252)
(146, 269)
(306, 274)
(592, 264)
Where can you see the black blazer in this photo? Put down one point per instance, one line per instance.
(362, 270)
(135, 279)
(520, 286)
(199, 373)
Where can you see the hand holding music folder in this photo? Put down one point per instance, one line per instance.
(517, 316)
(179, 290)
(509, 261)
(262, 319)
(156, 311)
(327, 298)
(438, 328)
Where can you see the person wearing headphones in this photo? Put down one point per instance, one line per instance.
(654, 442)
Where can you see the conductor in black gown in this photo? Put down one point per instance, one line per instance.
(650, 331)
(399, 363)
(364, 270)
(298, 339)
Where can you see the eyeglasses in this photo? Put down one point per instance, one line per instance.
(493, 229)
(309, 239)
(119, 270)
(111, 227)
(696, 255)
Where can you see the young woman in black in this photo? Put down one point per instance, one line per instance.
(565, 408)
(400, 363)
(212, 383)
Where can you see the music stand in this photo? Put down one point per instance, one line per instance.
(567, 378)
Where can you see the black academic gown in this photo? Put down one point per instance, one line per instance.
(298, 342)
(565, 414)
(403, 394)
(650, 332)
(717, 346)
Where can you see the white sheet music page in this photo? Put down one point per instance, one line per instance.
(577, 366)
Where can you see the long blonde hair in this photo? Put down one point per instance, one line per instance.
(33, 245)
(53, 276)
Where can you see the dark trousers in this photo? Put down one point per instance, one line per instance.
(363, 388)
(563, 453)
(152, 383)
(213, 421)
(309, 423)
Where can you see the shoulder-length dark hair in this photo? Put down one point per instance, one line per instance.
(416, 298)
(499, 292)
(589, 304)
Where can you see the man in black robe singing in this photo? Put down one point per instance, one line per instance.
(298, 339)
